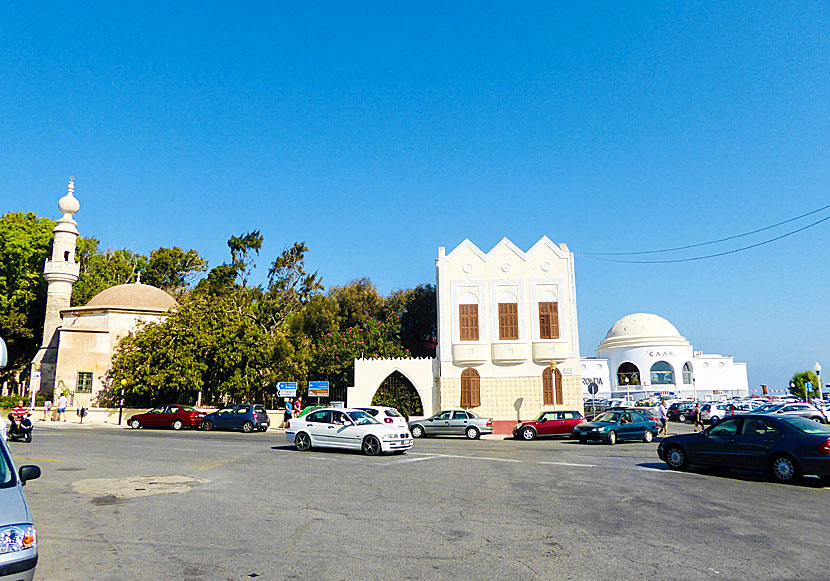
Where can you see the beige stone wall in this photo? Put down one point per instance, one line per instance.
(511, 398)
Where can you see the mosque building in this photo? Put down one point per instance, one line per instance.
(79, 342)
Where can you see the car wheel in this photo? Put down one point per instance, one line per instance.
(676, 458)
(681, 418)
(472, 433)
(177, 425)
(528, 433)
(714, 420)
(135, 424)
(371, 446)
(207, 425)
(648, 437)
(784, 469)
(417, 432)
(248, 427)
(612, 437)
(302, 442)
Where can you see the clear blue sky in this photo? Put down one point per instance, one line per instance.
(377, 132)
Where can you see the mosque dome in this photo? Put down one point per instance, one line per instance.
(134, 297)
(642, 329)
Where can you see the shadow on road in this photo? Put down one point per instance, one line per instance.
(732, 474)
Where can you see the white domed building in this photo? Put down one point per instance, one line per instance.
(89, 335)
(644, 354)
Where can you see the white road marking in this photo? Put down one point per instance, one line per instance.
(570, 464)
(472, 457)
(405, 460)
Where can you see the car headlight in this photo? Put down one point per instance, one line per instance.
(595, 429)
(17, 538)
(391, 436)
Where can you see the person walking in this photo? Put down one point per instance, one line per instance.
(696, 416)
(289, 410)
(62, 407)
(47, 405)
(298, 407)
(664, 419)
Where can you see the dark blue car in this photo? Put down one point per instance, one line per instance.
(245, 417)
(785, 446)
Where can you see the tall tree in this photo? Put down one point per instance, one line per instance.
(25, 244)
(800, 380)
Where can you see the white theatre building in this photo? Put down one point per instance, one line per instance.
(644, 354)
(508, 345)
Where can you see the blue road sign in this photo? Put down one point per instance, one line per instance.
(318, 388)
(287, 389)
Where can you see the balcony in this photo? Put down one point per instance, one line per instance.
(469, 353)
(545, 352)
(509, 352)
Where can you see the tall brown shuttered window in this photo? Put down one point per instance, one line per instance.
(468, 322)
(547, 387)
(549, 320)
(508, 321)
(470, 388)
(557, 380)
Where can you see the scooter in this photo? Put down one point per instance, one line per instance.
(24, 432)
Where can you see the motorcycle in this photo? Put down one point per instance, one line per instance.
(21, 432)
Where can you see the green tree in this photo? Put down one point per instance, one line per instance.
(102, 270)
(25, 244)
(418, 314)
(800, 379)
(173, 270)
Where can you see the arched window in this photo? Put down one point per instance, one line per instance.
(662, 374)
(552, 387)
(628, 374)
(688, 376)
(470, 388)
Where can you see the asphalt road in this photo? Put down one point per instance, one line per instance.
(125, 504)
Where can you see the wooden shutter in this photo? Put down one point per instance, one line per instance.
(470, 389)
(508, 321)
(468, 322)
(549, 320)
(557, 375)
(547, 387)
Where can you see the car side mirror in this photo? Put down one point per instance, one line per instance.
(28, 472)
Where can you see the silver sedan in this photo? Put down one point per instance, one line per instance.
(452, 423)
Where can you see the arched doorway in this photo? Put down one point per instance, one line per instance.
(662, 373)
(628, 374)
(398, 392)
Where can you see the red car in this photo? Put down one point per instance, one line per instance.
(548, 424)
(168, 416)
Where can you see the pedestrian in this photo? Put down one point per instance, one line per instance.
(289, 410)
(664, 419)
(696, 416)
(62, 407)
(47, 405)
(298, 407)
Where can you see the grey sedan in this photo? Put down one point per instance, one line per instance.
(452, 423)
(18, 540)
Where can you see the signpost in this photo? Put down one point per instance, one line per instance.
(318, 389)
(287, 389)
(593, 388)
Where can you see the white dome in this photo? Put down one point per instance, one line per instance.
(69, 205)
(642, 329)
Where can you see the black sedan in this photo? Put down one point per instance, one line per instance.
(785, 446)
(245, 417)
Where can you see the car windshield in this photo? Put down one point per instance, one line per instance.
(361, 418)
(7, 479)
(609, 417)
(807, 426)
(188, 408)
(540, 417)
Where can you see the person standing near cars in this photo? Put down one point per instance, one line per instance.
(696, 416)
(664, 419)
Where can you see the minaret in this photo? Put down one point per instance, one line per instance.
(60, 273)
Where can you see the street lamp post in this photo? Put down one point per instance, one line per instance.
(792, 387)
(121, 400)
(627, 396)
(817, 369)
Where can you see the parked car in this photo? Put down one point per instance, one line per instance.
(452, 422)
(803, 410)
(386, 415)
(168, 416)
(548, 424)
(245, 417)
(712, 413)
(347, 428)
(614, 426)
(18, 537)
(681, 411)
(785, 446)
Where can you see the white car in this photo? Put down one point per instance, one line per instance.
(347, 428)
(712, 413)
(386, 415)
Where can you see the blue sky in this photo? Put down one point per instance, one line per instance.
(377, 132)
